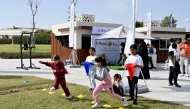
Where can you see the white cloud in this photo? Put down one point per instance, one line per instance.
(118, 5)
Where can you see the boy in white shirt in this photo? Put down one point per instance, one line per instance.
(137, 60)
(174, 66)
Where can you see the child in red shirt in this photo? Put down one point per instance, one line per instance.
(59, 73)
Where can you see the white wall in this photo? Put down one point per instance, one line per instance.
(143, 29)
(78, 37)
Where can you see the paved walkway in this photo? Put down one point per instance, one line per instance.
(158, 84)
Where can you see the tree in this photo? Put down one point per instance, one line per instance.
(138, 24)
(43, 36)
(34, 8)
(166, 22)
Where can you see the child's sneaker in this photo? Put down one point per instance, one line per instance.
(96, 106)
(91, 90)
(52, 89)
(125, 102)
(135, 102)
(70, 96)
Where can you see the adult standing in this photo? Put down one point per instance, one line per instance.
(154, 49)
(150, 53)
(143, 52)
(122, 55)
(184, 57)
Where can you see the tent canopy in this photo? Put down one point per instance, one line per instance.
(121, 33)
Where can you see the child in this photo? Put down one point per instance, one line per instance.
(136, 59)
(59, 73)
(118, 85)
(174, 66)
(106, 83)
(91, 59)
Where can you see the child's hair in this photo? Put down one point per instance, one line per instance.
(102, 60)
(122, 44)
(134, 46)
(118, 76)
(172, 40)
(56, 57)
(92, 48)
(174, 45)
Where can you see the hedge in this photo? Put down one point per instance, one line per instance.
(7, 55)
(5, 41)
(16, 39)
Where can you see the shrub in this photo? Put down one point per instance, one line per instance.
(42, 37)
(5, 41)
(13, 55)
(16, 39)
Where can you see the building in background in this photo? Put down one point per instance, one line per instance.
(163, 35)
(83, 30)
(15, 31)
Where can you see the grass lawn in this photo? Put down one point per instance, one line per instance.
(16, 48)
(114, 67)
(34, 98)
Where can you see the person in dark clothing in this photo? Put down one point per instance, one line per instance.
(150, 53)
(122, 55)
(143, 52)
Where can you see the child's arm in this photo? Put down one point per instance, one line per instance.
(103, 75)
(139, 66)
(174, 61)
(62, 68)
(140, 63)
(49, 64)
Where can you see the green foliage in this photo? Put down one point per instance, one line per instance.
(13, 55)
(166, 22)
(5, 41)
(138, 24)
(16, 39)
(43, 37)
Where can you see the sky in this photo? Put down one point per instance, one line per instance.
(51, 12)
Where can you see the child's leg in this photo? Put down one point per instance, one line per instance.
(111, 92)
(62, 82)
(93, 83)
(96, 92)
(175, 75)
(135, 87)
(171, 76)
(130, 87)
(56, 83)
(121, 91)
(90, 81)
(115, 89)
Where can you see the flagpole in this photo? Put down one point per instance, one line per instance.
(130, 38)
(134, 19)
(187, 25)
(171, 25)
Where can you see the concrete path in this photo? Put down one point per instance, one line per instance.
(158, 84)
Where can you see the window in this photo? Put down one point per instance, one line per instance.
(155, 43)
(163, 43)
(86, 41)
(178, 40)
